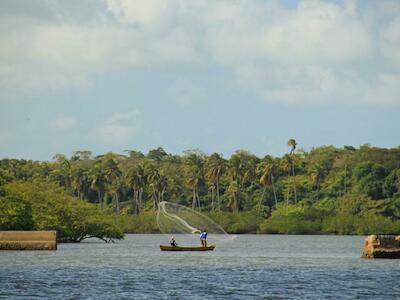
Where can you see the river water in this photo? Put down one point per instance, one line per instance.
(250, 267)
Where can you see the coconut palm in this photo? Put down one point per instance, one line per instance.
(98, 183)
(116, 190)
(80, 180)
(292, 144)
(235, 173)
(194, 166)
(194, 180)
(267, 169)
(62, 171)
(286, 167)
(158, 185)
(232, 194)
(112, 174)
(135, 179)
(216, 168)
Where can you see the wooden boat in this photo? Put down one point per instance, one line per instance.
(179, 248)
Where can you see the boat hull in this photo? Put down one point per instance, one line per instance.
(178, 248)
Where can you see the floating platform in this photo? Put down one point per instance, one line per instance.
(381, 246)
(28, 240)
(179, 248)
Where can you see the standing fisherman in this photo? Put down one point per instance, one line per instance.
(203, 238)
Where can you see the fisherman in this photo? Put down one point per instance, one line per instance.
(203, 238)
(173, 242)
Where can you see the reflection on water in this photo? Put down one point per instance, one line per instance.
(252, 266)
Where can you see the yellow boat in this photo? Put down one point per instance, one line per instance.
(179, 248)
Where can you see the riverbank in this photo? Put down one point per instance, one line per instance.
(252, 223)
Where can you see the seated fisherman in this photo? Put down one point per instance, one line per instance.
(173, 242)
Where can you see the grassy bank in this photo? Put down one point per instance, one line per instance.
(293, 220)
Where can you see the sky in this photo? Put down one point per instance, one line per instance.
(219, 76)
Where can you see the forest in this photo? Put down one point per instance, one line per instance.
(328, 190)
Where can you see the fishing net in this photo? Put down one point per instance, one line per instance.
(174, 219)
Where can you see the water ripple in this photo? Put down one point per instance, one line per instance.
(135, 268)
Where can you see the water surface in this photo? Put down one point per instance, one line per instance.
(250, 267)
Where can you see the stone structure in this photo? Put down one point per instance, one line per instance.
(381, 246)
(28, 240)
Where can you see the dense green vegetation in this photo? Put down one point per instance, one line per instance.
(327, 190)
(39, 205)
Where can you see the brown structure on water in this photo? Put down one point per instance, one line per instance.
(28, 240)
(381, 246)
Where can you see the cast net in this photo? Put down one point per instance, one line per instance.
(173, 218)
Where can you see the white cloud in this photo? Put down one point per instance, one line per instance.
(289, 84)
(35, 56)
(291, 55)
(315, 32)
(63, 122)
(119, 128)
(154, 14)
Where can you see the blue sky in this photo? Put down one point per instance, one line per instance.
(212, 75)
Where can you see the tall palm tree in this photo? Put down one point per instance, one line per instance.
(194, 168)
(317, 173)
(216, 168)
(286, 167)
(62, 171)
(135, 180)
(235, 173)
(158, 184)
(116, 190)
(193, 183)
(232, 194)
(292, 144)
(98, 183)
(112, 173)
(80, 180)
(267, 178)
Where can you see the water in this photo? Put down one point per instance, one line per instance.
(251, 267)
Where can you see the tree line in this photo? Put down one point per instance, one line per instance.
(325, 184)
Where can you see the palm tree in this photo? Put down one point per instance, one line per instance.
(62, 172)
(135, 180)
(267, 178)
(98, 183)
(112, 173)
(80, 180)
(292, 143)
(116, 189)
(216, 168)
(242, 170)
(194, 166)
(158, 184)
(286, 167)
(232, 194)
(317, 173)
(193, 183)
(235, 173)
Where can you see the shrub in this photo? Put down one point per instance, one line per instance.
(15, 213)
(52, 209)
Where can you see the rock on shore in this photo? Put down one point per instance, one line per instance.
(381, 246)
